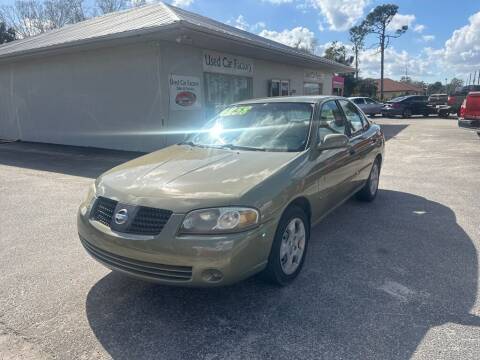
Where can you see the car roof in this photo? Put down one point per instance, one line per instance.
(292, 99)
(438, 95)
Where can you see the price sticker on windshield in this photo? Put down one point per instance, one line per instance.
(236, 111)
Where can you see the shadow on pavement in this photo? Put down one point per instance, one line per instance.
(377, 278)
(391, 130)
(69, 160)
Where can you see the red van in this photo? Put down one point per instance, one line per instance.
(470, 112)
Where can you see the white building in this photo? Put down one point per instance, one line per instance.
(127, 80)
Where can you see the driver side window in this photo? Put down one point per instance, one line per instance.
(354, 118)
(332, 121)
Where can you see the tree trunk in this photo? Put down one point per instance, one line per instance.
(356, 63)
(382, 58)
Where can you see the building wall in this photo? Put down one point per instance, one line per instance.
(112, 97)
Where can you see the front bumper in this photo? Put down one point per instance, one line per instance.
(173, 259)
(469, 124)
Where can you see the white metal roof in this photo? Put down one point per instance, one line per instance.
(145, 19)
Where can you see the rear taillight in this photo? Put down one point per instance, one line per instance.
(463, 108)
(451, 100)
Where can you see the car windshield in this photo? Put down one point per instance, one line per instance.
(259, 126)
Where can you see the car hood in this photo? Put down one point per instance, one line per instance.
(182, 177)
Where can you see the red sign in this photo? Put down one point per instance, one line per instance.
(338, 81)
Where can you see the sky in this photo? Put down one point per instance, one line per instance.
(443, 39)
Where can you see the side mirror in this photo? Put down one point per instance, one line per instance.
(333, 141)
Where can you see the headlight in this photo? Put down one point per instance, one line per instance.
(90, 194)
(220, 220)
(88, 200)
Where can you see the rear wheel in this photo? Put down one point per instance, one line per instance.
(289, 247)
(369, 191)
(407, 113)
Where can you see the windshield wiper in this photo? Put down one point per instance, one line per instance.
(239, 147)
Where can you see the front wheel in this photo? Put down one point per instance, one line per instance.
(289, 247)
(370, 189)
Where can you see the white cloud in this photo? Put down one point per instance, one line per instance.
(462, 50)
(419, 28)
(341, 14)
(401, 20)
(182, 3)
(428, 38)
(299, 37)
(241, 23)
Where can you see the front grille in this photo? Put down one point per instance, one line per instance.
(136, 267)
(147, 220)
(103, 210)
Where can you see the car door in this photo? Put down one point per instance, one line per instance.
(418, 105)
(361, 144)
(360, 102)
(373, 107)
(332, 167)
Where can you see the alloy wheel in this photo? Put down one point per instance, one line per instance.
(374, 179)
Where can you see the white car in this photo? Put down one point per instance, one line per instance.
(368, 106)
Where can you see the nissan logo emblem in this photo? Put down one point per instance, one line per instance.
(121, 216)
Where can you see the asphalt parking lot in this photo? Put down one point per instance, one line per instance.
(396, 279)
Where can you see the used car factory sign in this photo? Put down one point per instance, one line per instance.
(185, 93)
(227, 64)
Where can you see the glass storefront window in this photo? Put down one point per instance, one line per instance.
(222, 90)
(312, 88)
(275, 88)
(279, 88)
(285, 87)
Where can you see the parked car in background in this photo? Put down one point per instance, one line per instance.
(456, 99)
(470, 113)
(406, 106)
(438, 99)
(368, 105)
(237, 197)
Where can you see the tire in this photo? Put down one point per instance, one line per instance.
(369, 191)
(407, 113)
(478, 133)
(280, 270)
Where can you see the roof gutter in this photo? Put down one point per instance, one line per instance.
(179, 24)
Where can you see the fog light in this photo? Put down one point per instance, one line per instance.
(212, 275)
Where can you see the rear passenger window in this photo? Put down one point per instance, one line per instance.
(354, 118)
(331, 120)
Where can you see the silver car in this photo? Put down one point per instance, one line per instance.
(368, 106)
